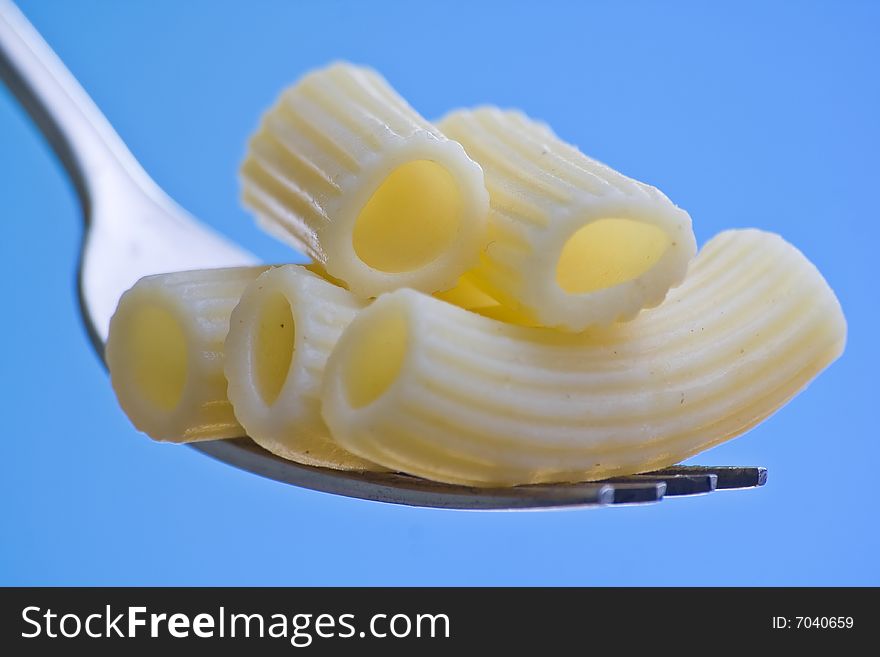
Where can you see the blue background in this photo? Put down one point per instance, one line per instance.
(746, 114)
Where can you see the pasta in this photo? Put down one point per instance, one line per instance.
(463, 294)
(572, 243)
(165, 353)
(425, 387)
(520, 334)
(468, 296)
(280, 335)
(344, 170)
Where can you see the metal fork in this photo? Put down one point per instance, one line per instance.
(132, 229)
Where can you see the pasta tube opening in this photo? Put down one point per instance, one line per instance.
(272, 347)
(165, 353)
(376, 359)
(608, 252)
(280, 335)
(344, 170)
(410, 219)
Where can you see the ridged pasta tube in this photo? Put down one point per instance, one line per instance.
(572, 242)
(165, 353)
(344, 170)
(280, 335)
(422, 386)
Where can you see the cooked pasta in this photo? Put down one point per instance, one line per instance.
(165, 353)
(280, 335)
(463, 294)
(344, 170)
(468, 296)
(422, 386)
(572, 243)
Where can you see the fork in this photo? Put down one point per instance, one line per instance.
(133, 229)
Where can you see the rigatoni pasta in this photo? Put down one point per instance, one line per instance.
(281, 332)
(467, 295)
(463, 294)
(344, 170)
(520, 334)
(165, 353)
(425, 387)
(572, 243)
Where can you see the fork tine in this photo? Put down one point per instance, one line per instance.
(638, 493)
(676, 484)
(728, 476)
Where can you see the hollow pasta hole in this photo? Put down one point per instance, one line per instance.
(608, 252)
(376, 359)
(272, 347)
(158, 348)
(410, 219)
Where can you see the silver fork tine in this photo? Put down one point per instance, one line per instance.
(639, 493)
(676, 484)
(727, 476)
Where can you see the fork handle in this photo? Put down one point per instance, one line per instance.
(80, 135)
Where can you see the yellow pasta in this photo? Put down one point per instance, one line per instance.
(427, 388)
(572, 243)
(463, 294)
(344, 170)
(280, 335)
(165, 353)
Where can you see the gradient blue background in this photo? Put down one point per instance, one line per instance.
(745, 114)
